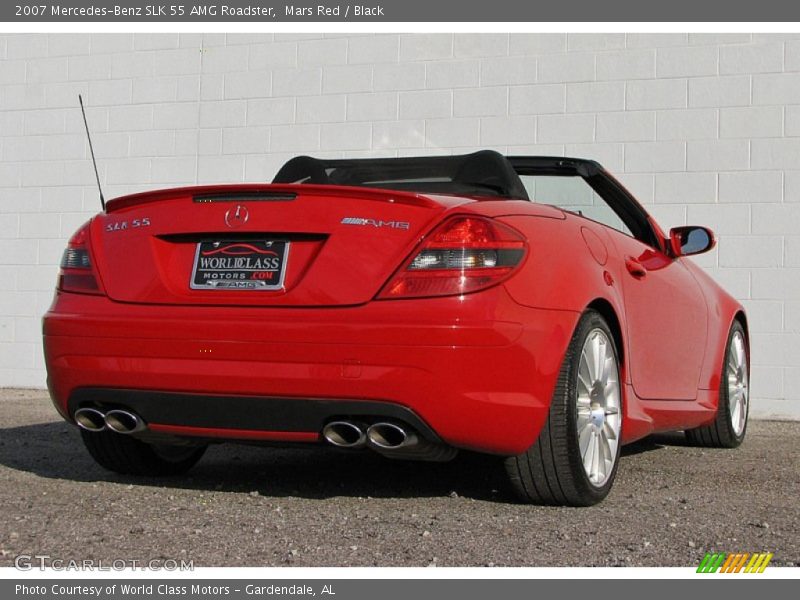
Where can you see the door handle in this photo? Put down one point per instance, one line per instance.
(635, 268)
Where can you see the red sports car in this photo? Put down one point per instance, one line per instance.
(526, 307)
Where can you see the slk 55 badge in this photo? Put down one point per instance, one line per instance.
(132, 224)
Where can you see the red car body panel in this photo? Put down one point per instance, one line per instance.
(459, 374)
(478, 369)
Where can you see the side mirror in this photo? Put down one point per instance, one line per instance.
(685, 241)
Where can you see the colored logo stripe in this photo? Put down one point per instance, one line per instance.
(728, 565)
(758, 563)
(711, 562)
(735, 562)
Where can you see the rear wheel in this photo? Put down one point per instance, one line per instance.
(574, 461)
(130, 456)
(730, 423)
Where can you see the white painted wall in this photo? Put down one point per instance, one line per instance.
(703, 128)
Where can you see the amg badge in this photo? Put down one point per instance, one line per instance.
(376, 223)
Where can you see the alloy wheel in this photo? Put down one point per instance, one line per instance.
(598, 407)
(738, 392)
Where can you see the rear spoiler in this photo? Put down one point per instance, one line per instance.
(266, 192)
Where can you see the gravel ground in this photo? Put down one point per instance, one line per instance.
(252, 506)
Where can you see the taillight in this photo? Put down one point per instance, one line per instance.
(77, 273)
(463, 255)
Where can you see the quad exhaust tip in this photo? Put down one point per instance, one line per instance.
(119, 421)
(124, 422)
(390, 436)
(344, 434)
(90, 419)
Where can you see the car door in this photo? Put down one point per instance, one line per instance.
(665, 312)
(666, 321)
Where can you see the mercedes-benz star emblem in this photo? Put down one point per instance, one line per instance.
(236, 217)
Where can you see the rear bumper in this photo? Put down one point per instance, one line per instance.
(478, 371)
(243, 417)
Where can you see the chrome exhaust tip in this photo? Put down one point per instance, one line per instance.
(122, 421)
(344, 434)
(390, 436)
(90, 419)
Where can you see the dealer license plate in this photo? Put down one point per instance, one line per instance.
(240, 265)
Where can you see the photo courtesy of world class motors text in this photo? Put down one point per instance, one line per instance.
(170, 590)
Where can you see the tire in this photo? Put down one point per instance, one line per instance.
(129, 456)
(730, 422)
(552, 471)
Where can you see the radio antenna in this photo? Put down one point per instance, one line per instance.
(91, 149)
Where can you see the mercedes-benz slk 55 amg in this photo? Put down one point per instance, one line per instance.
(525, 307)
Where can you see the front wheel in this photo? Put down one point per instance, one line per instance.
(574, 461)
(730, 422)
(129, 456)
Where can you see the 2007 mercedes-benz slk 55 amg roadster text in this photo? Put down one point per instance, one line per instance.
(526, 307)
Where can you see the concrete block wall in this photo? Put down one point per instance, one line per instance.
(703, 128)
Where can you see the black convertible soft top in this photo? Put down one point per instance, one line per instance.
(481, 173)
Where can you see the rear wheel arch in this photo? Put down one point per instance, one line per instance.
(741, 317)
(609, 313)
(554, 470)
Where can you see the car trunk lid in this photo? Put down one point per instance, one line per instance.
(303, 244)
